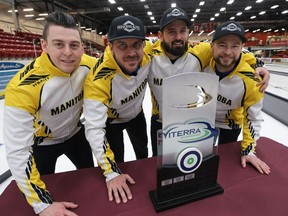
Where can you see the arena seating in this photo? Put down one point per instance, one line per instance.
(19, 45)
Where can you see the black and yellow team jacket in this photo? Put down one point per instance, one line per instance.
(111, 95)
(42, 106)
(195, 59)
(239, 103)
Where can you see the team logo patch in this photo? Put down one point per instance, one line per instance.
(189, 160)
(176, 13)
(128, 26)
(231, 27)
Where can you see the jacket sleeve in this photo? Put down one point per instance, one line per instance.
(253, 119)
(18, 138)
(252, 60)
(96, 97)
(203, 53)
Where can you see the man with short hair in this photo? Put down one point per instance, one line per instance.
(239, 101)
(43, 105)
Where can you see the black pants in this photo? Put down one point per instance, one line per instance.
(137, 132)
(77, 149)
(155, 126)
(227, 136)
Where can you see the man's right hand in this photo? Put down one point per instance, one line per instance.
(59, 209)
(118, 186)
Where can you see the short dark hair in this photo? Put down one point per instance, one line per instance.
(59, 18)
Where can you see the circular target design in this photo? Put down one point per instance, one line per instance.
(189, 160)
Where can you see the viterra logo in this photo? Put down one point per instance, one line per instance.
(190, 132)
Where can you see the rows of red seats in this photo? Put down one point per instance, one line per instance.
(18, 46)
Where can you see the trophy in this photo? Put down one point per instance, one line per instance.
(187, 164)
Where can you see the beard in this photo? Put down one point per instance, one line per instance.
(127, 67)
(175, 50)
(226, 63)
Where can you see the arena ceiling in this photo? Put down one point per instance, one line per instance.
(97, 14)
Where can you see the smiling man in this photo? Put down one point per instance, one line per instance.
(239, 101)
(43, 105)
(113, 95)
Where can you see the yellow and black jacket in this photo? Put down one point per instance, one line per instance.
(194, 60)
(42, 106)
(111, 95)
(239, 103)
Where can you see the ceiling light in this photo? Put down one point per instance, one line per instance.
(246, 30)
(126, 14)
(146, 6)
(203, 2)
(149, 13)
(274, 6)
(284, 12)
(200, 33)
(239, 14)
(197, 10)
(217, 14)
(210, 33)
(112, 1)
(154, 21)
(29, 15)
(230, 2)
(28, 9)
(256, 30)
(195, 15)
(120, 8)
(10, 11)
(223, 9)
(252, 17)
(173, 4)
(192, 20)
(40, 18)
(248, 8)
(276, 30)
(43, 14)
(212, 18)
(262, 12)
(152, 18)
(142, 0)
(232, 18)
(259, 1)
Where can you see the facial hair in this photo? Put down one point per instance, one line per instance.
(224, 64)
(123, 66)
(175, 51)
